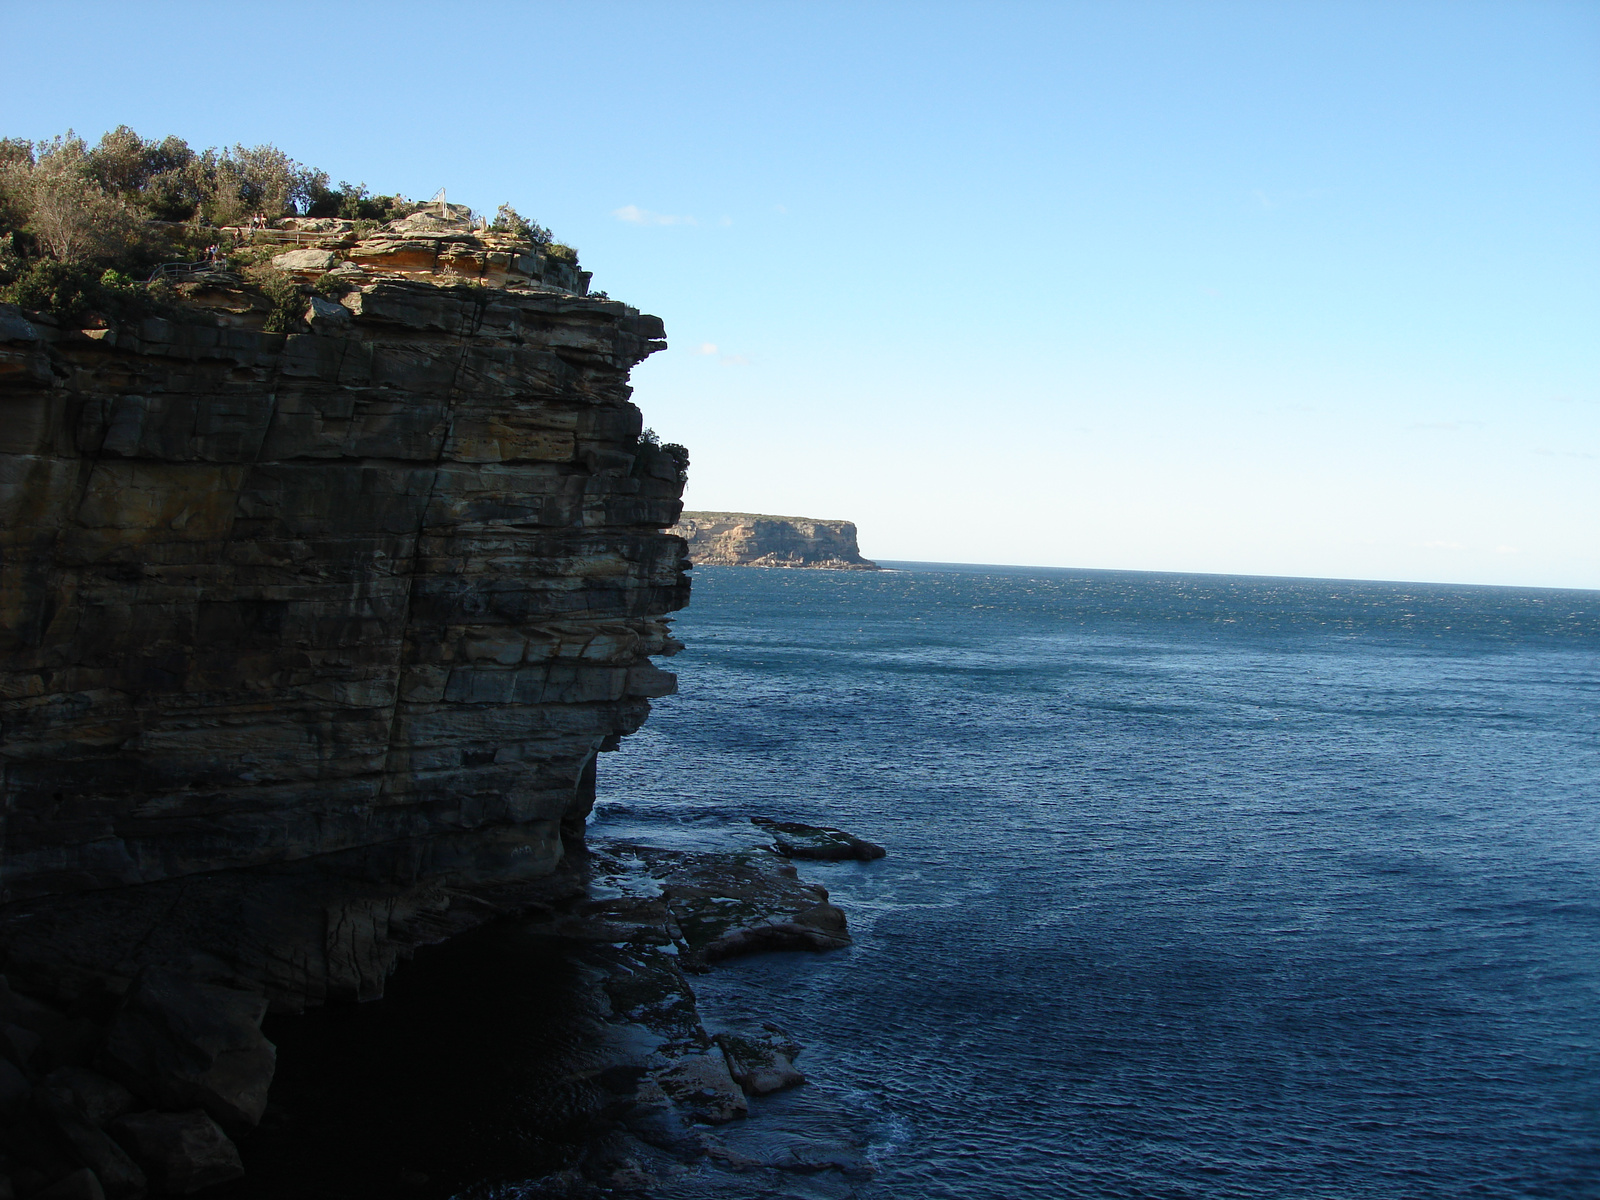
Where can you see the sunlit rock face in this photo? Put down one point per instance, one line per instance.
(308, 629)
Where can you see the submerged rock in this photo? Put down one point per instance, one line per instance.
(818, 842)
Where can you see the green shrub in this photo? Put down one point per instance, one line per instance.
(162, 292)
(332, 286)
(66, 290)
(287, 298)
(648, 447)
(251, 256)
(509, 221)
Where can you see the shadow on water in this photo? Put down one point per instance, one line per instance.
(466, 1072)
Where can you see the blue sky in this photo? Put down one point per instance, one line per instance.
(1279, 288)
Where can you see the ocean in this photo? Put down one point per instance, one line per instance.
(1197, 887)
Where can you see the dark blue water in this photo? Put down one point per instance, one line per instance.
(1198, 886)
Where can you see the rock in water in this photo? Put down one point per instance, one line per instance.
(761, 1063)
(819, 842)
(752, 540)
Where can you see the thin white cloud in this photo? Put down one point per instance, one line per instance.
(706, 348)
(1507, 550)
(735, 360)
(634, 215)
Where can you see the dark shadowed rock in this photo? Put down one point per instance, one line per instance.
(117, 1174)
(818, 842)
(63, 1040)
(32, 1143)
(182, 1152)
(14, 1091)
(91, 1093)
(19, 1044)
(181, 1043)
(80, 1185)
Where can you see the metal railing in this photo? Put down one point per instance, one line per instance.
(187, 272)
(285, 237)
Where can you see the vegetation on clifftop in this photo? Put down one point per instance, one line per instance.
(82, 227)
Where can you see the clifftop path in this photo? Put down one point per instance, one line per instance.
(754, 540)
(303, 632)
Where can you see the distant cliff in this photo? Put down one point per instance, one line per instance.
(751, 540)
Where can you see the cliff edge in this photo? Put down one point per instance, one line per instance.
(753, 540)
(304, 635)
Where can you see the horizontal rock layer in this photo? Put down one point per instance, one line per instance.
(368, 597)
(753, 540)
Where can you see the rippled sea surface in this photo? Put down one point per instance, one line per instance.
(1198, 886)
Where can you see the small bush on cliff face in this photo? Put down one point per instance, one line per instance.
(649, 447)
(332, 286)
(287, 297)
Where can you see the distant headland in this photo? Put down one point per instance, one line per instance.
(727, 539)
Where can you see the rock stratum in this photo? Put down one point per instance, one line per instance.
(753, 540)
(305, 635)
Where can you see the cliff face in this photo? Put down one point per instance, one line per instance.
(303, 633)
(752, 540)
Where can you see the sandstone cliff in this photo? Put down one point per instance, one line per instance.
(752, 540)
(303, 633)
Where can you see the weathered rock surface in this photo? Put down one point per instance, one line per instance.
(752, 540)
(305, 635)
